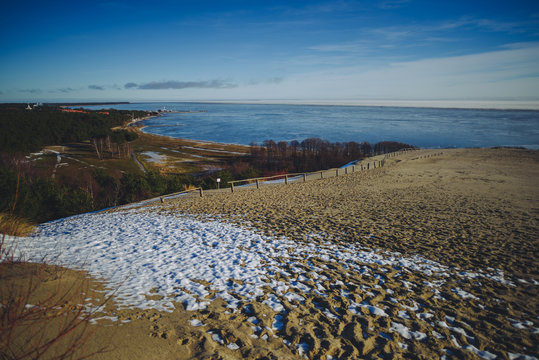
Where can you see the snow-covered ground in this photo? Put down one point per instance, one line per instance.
(137, 250)
(154, 157)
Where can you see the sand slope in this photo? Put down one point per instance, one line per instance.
(466, 207)
(429, 256)
(472, 209)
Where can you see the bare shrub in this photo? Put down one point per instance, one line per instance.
(45, 310)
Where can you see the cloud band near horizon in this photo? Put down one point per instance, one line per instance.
(175, 85)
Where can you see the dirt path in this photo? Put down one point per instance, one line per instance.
(139, 164)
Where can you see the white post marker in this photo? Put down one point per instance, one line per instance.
(218, 183)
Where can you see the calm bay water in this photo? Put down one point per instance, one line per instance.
(423, 127)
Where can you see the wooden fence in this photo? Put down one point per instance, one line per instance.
(163, 197)
(199, 190)
(371, 164)
(288, 177)
(338, 171)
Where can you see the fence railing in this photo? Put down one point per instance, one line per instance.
(199, 189)
(161, 198)
(288, 177)
(258, 180)
(358, 166)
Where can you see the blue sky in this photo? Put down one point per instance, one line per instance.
(240, 50)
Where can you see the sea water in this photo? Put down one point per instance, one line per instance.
(423, 127)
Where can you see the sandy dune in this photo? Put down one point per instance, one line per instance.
(433, 255)
(471, 209)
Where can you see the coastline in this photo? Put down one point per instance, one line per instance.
(532, 105)
(456, 127)
(140, 129)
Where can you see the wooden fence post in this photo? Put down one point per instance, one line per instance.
(346, 171)
(257, 184)
(321, 174)
(200, 192)
(353, 168)
(232, 187)
(368, 165)
(286, 179)
(336, 172)
(304, 177)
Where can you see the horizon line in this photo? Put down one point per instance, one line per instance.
(503, 104)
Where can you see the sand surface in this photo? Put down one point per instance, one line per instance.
(466, 208)
(472, 213)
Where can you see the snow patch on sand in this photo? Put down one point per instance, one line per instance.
(137, 250)
(154, 156)
(196, 323)
(406, 332)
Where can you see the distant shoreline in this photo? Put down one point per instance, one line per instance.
(530, 105)
(89, 103)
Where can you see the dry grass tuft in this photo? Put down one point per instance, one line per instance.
(15, 226)
(189, 187)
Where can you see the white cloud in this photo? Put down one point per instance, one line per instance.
(172, 84)
(508, 73)
(314, 60)
(346, 47)
(415, 34)
(511, 73)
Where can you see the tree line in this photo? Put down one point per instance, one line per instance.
(40, 198)
(313, 154)
(114, 145)
(274, 158)
(24, 130)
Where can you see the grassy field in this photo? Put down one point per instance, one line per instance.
(167, 155)
(182, 156)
